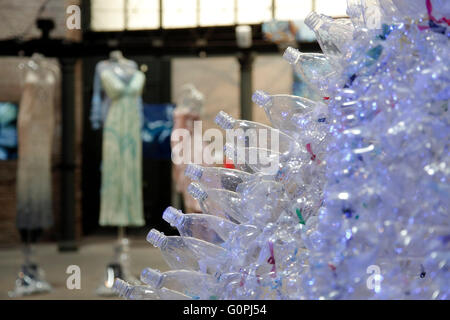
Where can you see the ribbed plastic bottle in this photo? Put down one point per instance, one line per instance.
(333, 37)
(140, 292)
(201, 226)
(197, 285)
(318, 73)
(218, 202)
(209, 257)
(174, 250)
(301, 118)
(215, 177)
(260, 161)
(257, 135)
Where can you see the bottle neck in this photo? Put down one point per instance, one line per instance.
(194, 172)
(262, 99)
(179, 222)
(225, 121)
(163, 243)
(157, 239)
(197, 192)
(314, 21)
(152, 277)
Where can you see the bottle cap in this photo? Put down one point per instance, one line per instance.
(196, 191)
(151, 277)
(121, 287)
(261, 98)
(156, 238)
(291, 55)
(224, 120)
(173, 216)
(193, 172)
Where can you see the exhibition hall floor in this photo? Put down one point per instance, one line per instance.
(92, 257)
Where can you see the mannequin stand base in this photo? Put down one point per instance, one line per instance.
(30, 280)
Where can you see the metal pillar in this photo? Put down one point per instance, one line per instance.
(67, 188)
(246, 59)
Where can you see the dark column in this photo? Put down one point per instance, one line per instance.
(246, 59)
(67, 221)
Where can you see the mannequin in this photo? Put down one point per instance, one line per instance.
(34, 192)
(117, 106)
(188, 110)
(124, 69)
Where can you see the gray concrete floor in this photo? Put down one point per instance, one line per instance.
(92, 257)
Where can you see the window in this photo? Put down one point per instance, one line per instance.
(179, 13)
(143, 14)
(217, 12)
(117, 15)
(292, 10)
(334, 8)
(254, 11)
(107, 15)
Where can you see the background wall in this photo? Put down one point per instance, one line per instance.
(218, 79)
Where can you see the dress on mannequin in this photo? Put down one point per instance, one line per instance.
(35, 133)
(117, 105)
(34, 196)
(121, 191)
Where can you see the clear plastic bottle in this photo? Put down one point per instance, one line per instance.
(201, 226)
(218, 202)
(300, 180)
(259, 160)
(188, 253)
(140, 292)
(215, 177)
(318, 73)
(242, 236)
(301, 118)
(280, 108)
(258, 212)
(167, 294)
(413, 9)
(370, 13)
(131, 292)
(257, 135)
(197, 285)
(174, 250)
(333, 37)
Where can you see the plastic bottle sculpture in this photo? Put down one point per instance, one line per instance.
(358, 205)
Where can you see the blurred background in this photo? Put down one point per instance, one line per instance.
(225, 49)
